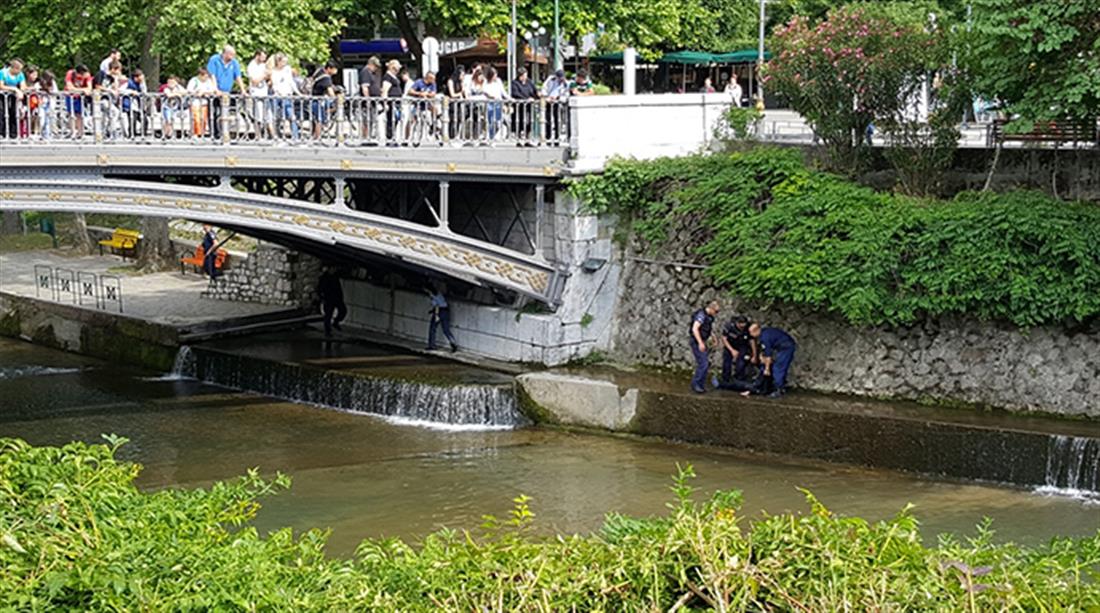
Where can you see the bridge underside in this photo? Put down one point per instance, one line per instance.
(491, 235)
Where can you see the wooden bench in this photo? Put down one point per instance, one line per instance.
(197, 260)
(1056, 132)
(123, 241)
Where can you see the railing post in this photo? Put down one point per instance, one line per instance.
(444, 204)
(545, 120)
(446, 129)
(338, 185)
(340, 118)
(97, 129)
(223, 118)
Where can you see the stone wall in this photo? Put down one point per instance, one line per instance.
(951, 360)
(270, 275)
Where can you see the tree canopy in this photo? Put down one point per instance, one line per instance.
(1041, 60)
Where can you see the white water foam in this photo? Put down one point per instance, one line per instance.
(435, 425)
(183, 368)
(15, 372)
(1088, 497)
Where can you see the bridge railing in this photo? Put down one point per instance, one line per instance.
(105, 117)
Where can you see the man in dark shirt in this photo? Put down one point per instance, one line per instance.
(322, 87)
(702, 321)
(209, 251)
(777, 351)
(332, 299)
(523, 89)
(370, 86)
(738, 349)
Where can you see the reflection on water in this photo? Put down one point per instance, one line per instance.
(364, 477)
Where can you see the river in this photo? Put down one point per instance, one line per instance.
(363, 476)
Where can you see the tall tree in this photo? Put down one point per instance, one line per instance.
(1041, 60)
(173, 35)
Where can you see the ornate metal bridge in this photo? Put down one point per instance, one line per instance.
(465, 206)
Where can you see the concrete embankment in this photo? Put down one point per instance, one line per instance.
(965, 444)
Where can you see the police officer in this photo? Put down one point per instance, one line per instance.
(738, 349)
(210, 256)
(332, 299)
(702, 321)
(777, 348)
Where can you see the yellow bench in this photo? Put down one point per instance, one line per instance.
(122, 240)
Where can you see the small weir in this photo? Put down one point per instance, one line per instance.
(1073, 465)
(417, 398)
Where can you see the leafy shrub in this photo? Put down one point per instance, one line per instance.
(75, 534)
(776, 231)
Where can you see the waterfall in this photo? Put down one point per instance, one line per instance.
(183, 368)
(1073, 465)
(433, 403)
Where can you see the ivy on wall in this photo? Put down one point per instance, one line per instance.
(778, 231)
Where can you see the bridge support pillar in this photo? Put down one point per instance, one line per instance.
(338, 196)
(540, 213)
(444, 204)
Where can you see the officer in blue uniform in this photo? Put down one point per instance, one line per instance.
(777, 348)
(209, 258)
(738, 349)
(702, 321)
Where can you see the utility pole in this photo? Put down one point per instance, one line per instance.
(760, 54)
(557, 39)
(513, 49)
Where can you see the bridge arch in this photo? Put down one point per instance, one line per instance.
(326, 225)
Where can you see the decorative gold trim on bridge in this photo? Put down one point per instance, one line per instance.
(537, 281)
(231, 160)
(102, 159)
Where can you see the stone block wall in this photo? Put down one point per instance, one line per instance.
(951, 360)
(270, 275)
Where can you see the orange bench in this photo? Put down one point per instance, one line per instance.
(199, 259)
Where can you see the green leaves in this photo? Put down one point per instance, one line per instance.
(774, 231)
(1040, 59)
(75, 534)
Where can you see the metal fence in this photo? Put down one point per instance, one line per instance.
(331, 121)
(85, 289)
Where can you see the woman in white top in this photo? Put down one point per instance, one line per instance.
(733, 89)
(283, 87)
(258, 87)
(201, 88)
(493, 90)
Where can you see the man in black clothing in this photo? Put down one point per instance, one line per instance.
(523, 89)
(738, 349)
(332, 299)
(322, 88)
(370, 87)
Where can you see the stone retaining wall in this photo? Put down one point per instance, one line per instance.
(951, 360)
(270, 275)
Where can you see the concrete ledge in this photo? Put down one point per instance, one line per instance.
(944, 443)
(578, 401)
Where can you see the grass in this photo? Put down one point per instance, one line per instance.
(34, 241)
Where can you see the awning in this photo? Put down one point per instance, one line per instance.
(744, 56)
(378, 46)
(690, 58)
(615, 57)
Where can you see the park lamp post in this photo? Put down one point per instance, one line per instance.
(760, 53)
(557, 38)
(533, 35)
(513, 49)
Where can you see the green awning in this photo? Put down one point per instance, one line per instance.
(691, 58)
(744, 56)
(615, 57)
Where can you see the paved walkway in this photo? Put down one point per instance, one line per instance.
(165, 297)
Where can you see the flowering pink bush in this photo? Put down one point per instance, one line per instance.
(849, 71)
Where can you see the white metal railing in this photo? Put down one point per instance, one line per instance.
(105, 117)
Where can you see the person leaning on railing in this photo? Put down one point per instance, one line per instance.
(201, 88)
(391, 91)
(320, 109)
(283, 88)
(78, 90)
(171, 105)
(526, 96)
(12, 84)
(423, 110)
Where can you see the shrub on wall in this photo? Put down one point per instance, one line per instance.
(773, 230)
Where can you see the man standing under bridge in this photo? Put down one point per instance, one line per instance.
(702, 321)
(332, 300)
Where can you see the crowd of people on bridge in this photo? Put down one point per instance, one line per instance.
(755, 359)
(273, 98)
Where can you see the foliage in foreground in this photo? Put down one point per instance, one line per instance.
(770, 229)
(75, 534)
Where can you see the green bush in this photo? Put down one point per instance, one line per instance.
(776, 231)
(76, 535)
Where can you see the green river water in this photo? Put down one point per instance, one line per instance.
(362, 476)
